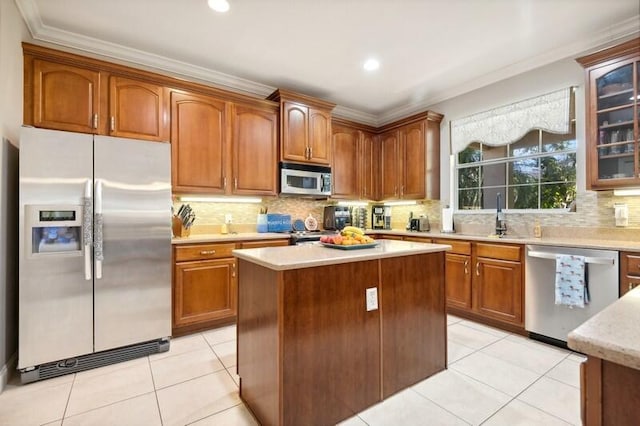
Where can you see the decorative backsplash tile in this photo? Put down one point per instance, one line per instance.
(594, 216)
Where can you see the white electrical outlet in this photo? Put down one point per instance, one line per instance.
(228, 218)
(372, 298)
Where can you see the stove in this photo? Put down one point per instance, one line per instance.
(300, 237)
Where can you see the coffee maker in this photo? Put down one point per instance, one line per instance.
(380, 217)
(336, 217)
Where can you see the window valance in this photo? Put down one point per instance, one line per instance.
(506, 124)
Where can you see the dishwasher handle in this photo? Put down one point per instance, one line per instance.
(548, 255)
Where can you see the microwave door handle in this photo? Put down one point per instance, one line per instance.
(87, 216)
(98, 241)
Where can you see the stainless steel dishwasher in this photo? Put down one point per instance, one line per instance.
(543, 318)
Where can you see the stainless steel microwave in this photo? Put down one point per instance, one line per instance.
(305, 180)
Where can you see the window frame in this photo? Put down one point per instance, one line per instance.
(507, 162)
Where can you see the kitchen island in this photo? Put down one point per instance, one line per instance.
(610, 377)
(324, 333)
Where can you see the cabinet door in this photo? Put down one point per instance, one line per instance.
(369, 166)
(204, 291)
(458, 279)
(498, 287)
(65, 97)
(319, 137)
(295, 132)
(344, 171)
(255, 151)
(138, 110)
(198, 143)
(389, 165)
(412, 170)
(612, 135)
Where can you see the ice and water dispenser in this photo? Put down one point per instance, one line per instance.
(54, 230)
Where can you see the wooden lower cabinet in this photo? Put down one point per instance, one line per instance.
(629, 271)
(205, 284)
(310, 353)
(609, 393)
(485, 282)
(205, 290)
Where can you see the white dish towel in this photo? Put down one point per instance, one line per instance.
(571, 281)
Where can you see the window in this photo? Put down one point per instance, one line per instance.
(536, 172)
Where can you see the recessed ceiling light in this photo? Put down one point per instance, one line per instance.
(218, 5)
(371, 64)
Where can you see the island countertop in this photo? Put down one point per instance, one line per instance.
(315, 254)
(613, 334)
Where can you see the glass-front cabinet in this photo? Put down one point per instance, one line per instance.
(613, 113)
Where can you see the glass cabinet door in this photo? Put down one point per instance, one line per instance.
(616, 108)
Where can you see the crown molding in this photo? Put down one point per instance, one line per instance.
(599, 40)
(607, 37)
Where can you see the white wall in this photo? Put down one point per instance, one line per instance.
(12, 32)
(537, 82)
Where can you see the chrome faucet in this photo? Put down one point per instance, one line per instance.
(501, 223)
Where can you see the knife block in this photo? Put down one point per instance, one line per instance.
(178, 229)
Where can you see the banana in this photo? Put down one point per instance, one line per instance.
(353, 229)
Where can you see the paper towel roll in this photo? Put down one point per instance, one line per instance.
(447, 219)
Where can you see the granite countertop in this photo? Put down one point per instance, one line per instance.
(593, 243)
(311, 255)
(219, 238)
(613, 334)
(514, 239)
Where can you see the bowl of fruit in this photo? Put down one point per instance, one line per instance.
(349, 238)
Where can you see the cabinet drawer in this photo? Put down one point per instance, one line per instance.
(458, 247)
(633, 265)
(418, 239)
(264, 243)
(499, 251)
(204, 251)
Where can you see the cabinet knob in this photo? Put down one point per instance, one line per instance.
(113, 123)
(466, 267)
(310, 152)
(478, 268)
(95, 120)
(235, 183)
(224, 183)
(632, 286)
(205, 252)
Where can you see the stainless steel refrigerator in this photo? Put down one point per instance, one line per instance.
(95, 251)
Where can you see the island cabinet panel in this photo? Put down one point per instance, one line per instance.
(331, 350)
(259, 349)
(413, 320)
(609, 393)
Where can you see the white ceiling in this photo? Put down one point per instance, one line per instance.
(430, 50)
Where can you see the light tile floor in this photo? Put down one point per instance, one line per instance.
(494, 378)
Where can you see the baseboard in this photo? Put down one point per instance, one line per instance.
(6, 370)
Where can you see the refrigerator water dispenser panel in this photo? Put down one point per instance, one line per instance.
(54, 230)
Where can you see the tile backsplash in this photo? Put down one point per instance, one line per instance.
(594, 214)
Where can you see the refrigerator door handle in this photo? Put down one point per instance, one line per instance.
(87, 216)
(98, 222)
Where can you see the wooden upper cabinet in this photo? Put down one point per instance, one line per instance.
(319, 136)
(63, 97)
(198, 143)
(390, 165)
(412, 164)
(305, 132)
(370, 171)
(255, 150)
(613, 120)
(295, 132)
(345, 154)
(138, 109)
